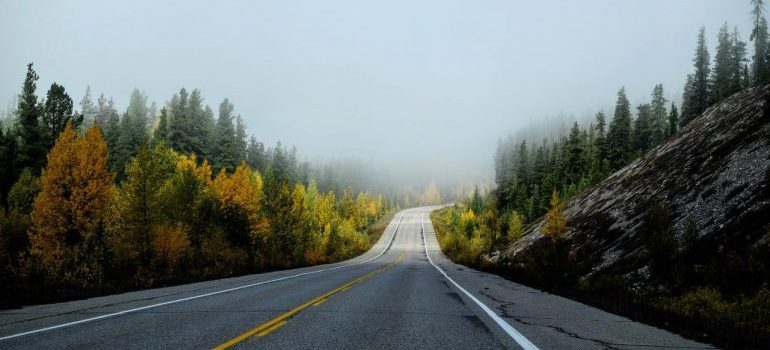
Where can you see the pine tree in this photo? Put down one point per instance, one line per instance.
(241, 140)
(600, 142)
(7, 160)
(57, 112)
(737, 64)
(701, 75)
(673, 121)
(224, 155)
(160, 135)
(760, 69)
(619, 150)
(688, 102)
(112, 135)
(31, 147)
(256, 156)
(643, 129)
(102, 111)
(133, 131)
(576, 161)
(87, 108)
(721, 82)
(658, 116)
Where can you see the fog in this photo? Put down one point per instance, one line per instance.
(422, 90)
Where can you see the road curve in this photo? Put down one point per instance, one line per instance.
(402, 294)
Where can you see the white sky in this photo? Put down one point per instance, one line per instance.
(424, 87)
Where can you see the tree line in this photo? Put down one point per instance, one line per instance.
(93, 201)
(527, 173)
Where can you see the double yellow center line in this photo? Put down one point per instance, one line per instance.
(278, 322)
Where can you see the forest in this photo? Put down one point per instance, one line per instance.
(535, 178)
(95, 201)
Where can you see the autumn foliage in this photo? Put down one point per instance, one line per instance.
(168, 220)
(68, 215)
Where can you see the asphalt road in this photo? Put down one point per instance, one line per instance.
(392, 297)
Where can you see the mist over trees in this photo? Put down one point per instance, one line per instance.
(97, 200)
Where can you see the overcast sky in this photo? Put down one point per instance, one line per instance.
(424, 87)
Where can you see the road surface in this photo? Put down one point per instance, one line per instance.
(402, 294)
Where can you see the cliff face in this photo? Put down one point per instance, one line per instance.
(714, 174)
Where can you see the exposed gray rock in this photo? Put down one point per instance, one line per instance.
(716, 172)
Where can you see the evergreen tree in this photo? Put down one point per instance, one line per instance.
(7, 160)
(31, 146)
(760, 69)
(133, 132)
(102, 111)
(224, 155)
(739, 79)
(87, 108)
(576, 162)
(619, 150)
(658, 116)
(701, 75)
(673, 121)
(112, 135)
(688, 102)
(57, 112)
(643, 129)
(256, 156)
(722, 79)
(160, 135)
(600, 142)
(241, 141)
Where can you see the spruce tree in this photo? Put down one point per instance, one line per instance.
(643, 128)
(7, 160)
(688, 102)
(658, 116)
(701, 75)
(576, 162)
(737, 64)
(160, 135)
(57, 112)
(31, 147)
(600, 142)
(224, 153)
(673, 121)
(87, 108)
(241, 143)
(760, 69)
(619, 150)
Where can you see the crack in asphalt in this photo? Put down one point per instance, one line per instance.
(504, 307)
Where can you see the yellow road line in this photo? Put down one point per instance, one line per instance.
(272, 328)
(319, 302)
(281, 320)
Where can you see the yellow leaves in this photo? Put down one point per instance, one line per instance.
(515, 227)
(76, 189)
(190, 164)
(555, 223)
(169, 243)
(243, 188)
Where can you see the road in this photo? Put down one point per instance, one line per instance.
(402, 294)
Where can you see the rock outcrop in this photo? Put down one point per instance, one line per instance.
(714, 174)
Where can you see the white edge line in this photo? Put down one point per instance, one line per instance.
(512, 332)
(63, 325)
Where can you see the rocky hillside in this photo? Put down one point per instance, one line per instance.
(714, 174)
